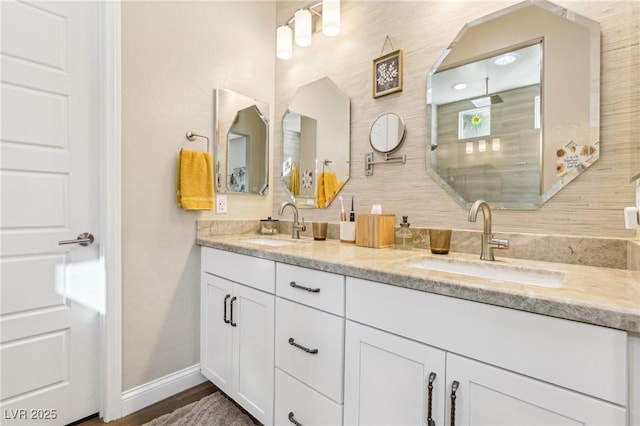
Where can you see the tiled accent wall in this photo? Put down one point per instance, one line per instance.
(591, 205)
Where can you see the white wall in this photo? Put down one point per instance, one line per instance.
(173, 55)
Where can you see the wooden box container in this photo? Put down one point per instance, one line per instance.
(375, 230)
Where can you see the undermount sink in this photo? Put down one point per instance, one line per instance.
(493, 271)
(272, 242)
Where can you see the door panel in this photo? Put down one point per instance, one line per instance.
(253, 313)
(34, 283)
(37, 362)
(386, 378)
(492, 396)
(216, 358)
(52, 296)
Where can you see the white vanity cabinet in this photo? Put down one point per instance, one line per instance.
(510, 367)
(309, 346)
(237, 328)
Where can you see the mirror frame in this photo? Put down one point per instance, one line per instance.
(553, 133)
(227, 106)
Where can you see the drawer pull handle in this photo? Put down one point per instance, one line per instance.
(454, 388)
(233, 299)
(307, 350)
(432, 378)
(301, 287)
(224, 315)
(293, 419)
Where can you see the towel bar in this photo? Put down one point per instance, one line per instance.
(193, 136)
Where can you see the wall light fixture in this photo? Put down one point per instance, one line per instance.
(303, 24)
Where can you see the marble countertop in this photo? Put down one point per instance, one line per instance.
(595, 295)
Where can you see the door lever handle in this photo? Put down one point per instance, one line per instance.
(84, 239)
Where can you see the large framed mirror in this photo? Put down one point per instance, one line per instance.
(241, 143)
(316, 144)
(513, 106)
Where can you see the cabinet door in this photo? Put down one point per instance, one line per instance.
(216, 336)
(491, 396)
(253, 316)
(386, 379)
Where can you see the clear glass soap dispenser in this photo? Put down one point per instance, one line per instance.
(404, 239)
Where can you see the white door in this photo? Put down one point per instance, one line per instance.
(495, 397)
(216, 332)
(52, 295)
(387, 379)
(253, 351)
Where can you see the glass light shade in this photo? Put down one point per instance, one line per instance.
(495, 144)
(284, 42)
(482, 145)
(303, 27)
(469, 148)
(330, 17)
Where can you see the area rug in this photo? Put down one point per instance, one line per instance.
(213, 410)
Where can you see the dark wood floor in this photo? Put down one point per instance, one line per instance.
(158, 409)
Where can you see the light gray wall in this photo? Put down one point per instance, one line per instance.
(173, 56)
(591, 205)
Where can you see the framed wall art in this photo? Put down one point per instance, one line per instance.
(474, 123)
(387, 74)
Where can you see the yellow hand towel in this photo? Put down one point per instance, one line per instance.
(194, 186)
(294, 180)
(328, 187)
(321, 199)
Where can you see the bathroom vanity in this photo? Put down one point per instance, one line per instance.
(329, 333)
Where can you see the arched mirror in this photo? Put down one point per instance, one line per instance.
(316, 144)
(241, 143)
(513, 106)
(387, 133)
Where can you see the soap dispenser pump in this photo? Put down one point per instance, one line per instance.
(404, 238)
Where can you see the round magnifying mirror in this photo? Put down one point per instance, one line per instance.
(387, 133)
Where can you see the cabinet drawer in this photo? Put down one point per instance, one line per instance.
(308, 406)
(583, 357)
(311, 329)
(321, 290)
(251, 271)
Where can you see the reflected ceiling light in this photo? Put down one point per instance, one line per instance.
(303, 27)
(459, 86)
(284, 42)
(330, 17)
(303, 23)
(505, 59)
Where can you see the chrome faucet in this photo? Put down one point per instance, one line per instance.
(488, 242)
(297, 227)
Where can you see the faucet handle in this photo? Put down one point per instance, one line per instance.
(499, 243)
(303, 227)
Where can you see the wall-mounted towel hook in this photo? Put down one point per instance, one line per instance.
(193, 136)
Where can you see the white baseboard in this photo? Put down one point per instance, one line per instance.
(156, 390)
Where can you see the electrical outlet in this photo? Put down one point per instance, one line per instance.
(221, 203)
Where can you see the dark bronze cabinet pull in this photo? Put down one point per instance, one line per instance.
(432, 378)
(293, 420)
(307, 350)
(224, 315)
(454, 388)
(301, 287)
(233, 299)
